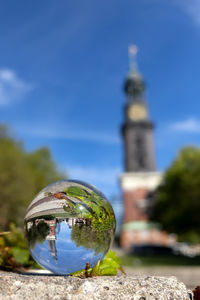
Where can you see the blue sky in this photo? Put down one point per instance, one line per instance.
(62, 67)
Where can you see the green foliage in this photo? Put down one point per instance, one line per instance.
(43, 168)
(108, 267)
(21, 255)
(75, 191)
(110, 264)
(95, 207)
(91, 238)
(97, 212)
(22, 176)
(14, 254)
(159, 260)
(177, 204)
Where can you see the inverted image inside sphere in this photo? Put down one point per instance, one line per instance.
(69, 224)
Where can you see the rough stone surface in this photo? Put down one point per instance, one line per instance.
(18, 286)
(189, 275)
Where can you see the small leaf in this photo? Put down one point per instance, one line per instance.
(113, 255)
(108, 270)
(108, 267)
(96, 269)
(21, 255)
(109, 262)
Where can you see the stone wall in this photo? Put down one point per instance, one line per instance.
(17, 286)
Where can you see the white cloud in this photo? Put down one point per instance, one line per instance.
(70, 134)
(12, 88)
(192, 8)
(191, 125)
(95, 175)
(105, 178)
(88, 256)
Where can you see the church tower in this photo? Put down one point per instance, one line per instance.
(137, 128)
(140, 178)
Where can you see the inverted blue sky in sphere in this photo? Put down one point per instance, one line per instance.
(62, 68)
(69, 258)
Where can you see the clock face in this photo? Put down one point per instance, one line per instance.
(137, 112)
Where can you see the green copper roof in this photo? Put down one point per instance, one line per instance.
(140, 225)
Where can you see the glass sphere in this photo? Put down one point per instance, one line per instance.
(68, 224)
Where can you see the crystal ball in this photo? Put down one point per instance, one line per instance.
(69, 224)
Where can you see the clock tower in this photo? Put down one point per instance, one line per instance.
(140, 179)
(137, 128)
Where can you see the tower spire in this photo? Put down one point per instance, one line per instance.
(132, 51)
(134, 84)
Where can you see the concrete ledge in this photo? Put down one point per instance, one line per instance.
(17, 286)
